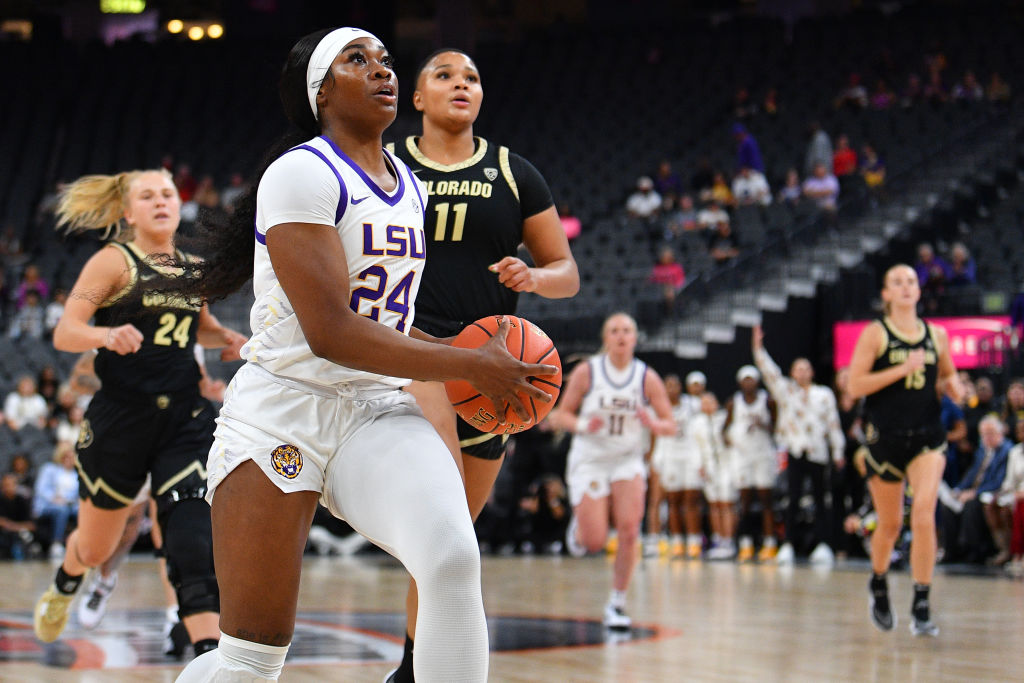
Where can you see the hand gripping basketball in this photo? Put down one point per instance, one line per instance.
(509, 414)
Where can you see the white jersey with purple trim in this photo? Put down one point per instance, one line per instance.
(615, 396)
(750, 431)
(382, 233)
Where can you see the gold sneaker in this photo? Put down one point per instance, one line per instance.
(693, 551)
(51, 614)
(678, 550)
(745, 554)
(767, 554)
(612, 545)
(662, 547)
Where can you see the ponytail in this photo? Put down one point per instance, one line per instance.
(227, 250)
(97, 202)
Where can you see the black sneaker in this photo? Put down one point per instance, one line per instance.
(881, 612)
(921, 623)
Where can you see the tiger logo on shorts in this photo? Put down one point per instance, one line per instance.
(287, 461)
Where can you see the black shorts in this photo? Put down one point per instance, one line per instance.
(890, 452)
(480, 444)
(124, 438)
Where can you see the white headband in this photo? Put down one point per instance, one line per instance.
(323, 56)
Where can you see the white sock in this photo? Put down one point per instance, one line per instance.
(693, 539)
(236, 661)
(677, 538)
(746, 542)
(769, 541)
(617, 599)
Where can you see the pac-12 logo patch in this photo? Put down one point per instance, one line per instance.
(490, 173)
(287, 461)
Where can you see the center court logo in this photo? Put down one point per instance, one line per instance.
(287, 461)
(134, 638)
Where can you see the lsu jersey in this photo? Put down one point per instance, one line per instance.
(615, 396)
(381, 232)
(751, 427)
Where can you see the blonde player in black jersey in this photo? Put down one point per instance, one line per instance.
(148, 417)
(901, 364)
(484, 202)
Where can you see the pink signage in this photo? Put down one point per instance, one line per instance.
(965, 336)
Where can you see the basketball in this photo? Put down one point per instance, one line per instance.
(528, 343)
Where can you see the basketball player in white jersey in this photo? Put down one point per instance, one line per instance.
(678, 463)
(317, 413)
(705, 431)
(749, 425)
(604, 403)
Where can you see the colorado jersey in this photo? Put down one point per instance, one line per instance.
(382, 233)
(476, 214)
(909, 404)
(165, 363)
(750, 429)
(614, 396)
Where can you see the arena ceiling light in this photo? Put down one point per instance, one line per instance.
(196, 29)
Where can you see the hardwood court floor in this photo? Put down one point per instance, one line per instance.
(710, 622)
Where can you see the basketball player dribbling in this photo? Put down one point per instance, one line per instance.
(604, 403)
(901, 364)
(317, 413)
(484, 202)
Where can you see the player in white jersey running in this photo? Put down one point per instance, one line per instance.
(317, 413)
(678, 464)
(604, 403)
(749, 424)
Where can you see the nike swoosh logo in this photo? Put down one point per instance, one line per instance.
(356, 201)
(416, 171)
(195, 413)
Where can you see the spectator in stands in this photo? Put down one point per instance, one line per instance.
(723, 245)
(968, 90)
(667, 182)
(709, 218)
(913, 93)
(962, 269)
(998, 92)
(743, 106)
(54, 310)
(854, 95)
(823, 189)
(882, 97)
(720, 190)
(750, 187)
(808, 428)
(844, 160)
(22, 470)
(771, 102)
(999, 505)
(1011, 499)
(185, 182)
(1013, 406)
(235, 189)
(570, 223)
(933, 273)
(56, 495)
(31, 281)
(11, 251)
(645, 202)
(47, 384)
(819, 150)
(935, 90)
(682, 219)
(872, 170)
(207, 199)
(848, 484)
(982, 403)
(792, 191)
(702, 180)
(16, 525)
(965, 528)
(748, 153)
(668, 274)
(955, 424)
(28, 322)
(5, 297)
(69, 426)
(24, 405)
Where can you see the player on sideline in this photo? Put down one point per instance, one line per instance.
(749, 425)
(901, 364)
(317, 412)
(604, 403)
(484, 202)
(148, 417)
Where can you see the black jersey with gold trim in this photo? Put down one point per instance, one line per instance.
(474, 218)
(910, 404)
(165, 363)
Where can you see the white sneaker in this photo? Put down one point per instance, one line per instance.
(822, 555)
(785, 554)
(56, 551)
(389, 677)
(322, 540)
(616, 618)
(351, 544)
(650, 545)
(93, 604)
(572, 543)
(722, 551)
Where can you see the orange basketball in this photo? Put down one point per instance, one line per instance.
(528, 343)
